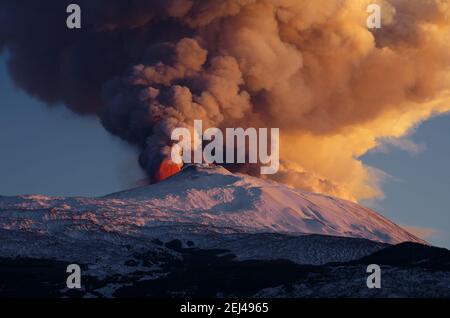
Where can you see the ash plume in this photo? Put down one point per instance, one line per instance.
(311, 68)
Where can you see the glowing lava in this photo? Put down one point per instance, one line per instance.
(166, 169)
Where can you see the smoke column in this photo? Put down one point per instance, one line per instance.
(312, 68)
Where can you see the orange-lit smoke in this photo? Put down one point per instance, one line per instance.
(311, 68)
(314, 69)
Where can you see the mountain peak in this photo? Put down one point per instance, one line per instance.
(204, 195)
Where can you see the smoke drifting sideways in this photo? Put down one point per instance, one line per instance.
(311, 68)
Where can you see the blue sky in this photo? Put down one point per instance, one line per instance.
(417, 193)
(48, 150)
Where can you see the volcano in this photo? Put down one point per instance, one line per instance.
(211, 195)
(203, 219)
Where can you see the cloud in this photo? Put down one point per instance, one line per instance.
(402, 143)
(310, 68)
(422, 232)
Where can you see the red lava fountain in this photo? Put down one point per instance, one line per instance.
(166, 169)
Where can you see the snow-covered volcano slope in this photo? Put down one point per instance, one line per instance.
(215, 196)
(210, 196)
(201, 207)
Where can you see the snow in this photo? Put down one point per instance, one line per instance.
(207, 196)
(349, 281)
(251, 217)
(214, 196)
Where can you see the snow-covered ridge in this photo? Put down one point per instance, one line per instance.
(210, 196)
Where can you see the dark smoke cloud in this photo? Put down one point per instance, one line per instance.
(310, 67)
(57, 65)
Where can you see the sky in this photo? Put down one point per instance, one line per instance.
(49, 150)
